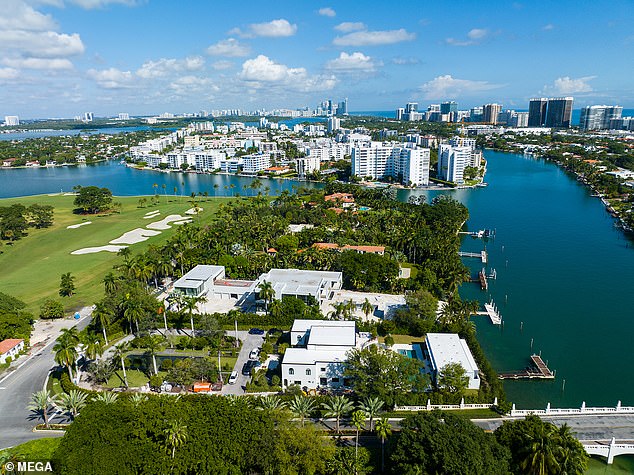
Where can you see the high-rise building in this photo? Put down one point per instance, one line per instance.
(124, 116)
(599, 117)
(88, 116)
(490, 113)
(343, 107)
(519, 119)
(537, 112)
(448, 107)
(333, 124)
(399, 113)
(452, 161)
(409, 164)
(559, 112)
(11, 120)
(475, 114)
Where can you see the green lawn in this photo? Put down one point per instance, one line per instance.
(32, 266)
(136, 379)
(404, 339)
(35, 450)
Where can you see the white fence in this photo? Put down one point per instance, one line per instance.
(446, 407)
(583, 410)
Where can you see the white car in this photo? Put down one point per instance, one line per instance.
(233, 378)
(255, 352)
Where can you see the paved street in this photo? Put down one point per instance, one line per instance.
(16, 388)
(248, 343)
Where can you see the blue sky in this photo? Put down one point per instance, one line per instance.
(60, 58)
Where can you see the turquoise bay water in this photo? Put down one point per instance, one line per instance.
(562, 268)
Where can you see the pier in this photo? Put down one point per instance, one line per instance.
(537, 370)
(482, 255)
(482, 277)
(491, 311)
(480, 234)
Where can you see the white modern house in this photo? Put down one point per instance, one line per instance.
(317, 359)
(199, 280)
(10, 348)
(302, 283)
(445, 348)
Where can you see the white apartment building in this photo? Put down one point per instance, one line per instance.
(319, 352)
(331, 152)
(452, 161)
(256, 162)
(11, 120)
(377, 160)
(231, 165)
(333, 124)
(476, 155)
(306, 165)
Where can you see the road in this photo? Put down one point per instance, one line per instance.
(248, 343)
(16, 388)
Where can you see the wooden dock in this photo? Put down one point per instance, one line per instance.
(482, 255)
(484, 283)
(537, 370)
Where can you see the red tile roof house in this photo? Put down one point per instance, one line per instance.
(10, 348)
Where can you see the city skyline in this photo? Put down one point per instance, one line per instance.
(60, 58)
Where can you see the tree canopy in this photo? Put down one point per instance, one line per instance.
(14, 321)
(92, 199)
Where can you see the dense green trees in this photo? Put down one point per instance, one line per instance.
(92, 199)
(52, 309)
(14, 321)
(539, 447)
(16, 219)
(374, 372)
(443, 443)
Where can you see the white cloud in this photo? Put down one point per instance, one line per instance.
(90, 4)
(38, 63)
(230, 47)
(548, 27)
(8, 73)
(327, 11)
(405, 61)
(373, 38)
(355, 62)
(17, 15)
(185, 85)
(111, 78)
(222, 65)
(447, 87)
(45, 44)
(348, 26)
(474, 36)
(263, 70)
(272, 29)
(567, 85)
(165, 67)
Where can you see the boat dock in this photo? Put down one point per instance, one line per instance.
(482, 255)
(482, 277)
(480, 234)
(537, 370)
(491, 311)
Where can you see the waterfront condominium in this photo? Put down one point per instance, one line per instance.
(452, 160)
(407, 163)
(490, 113)
(600, 117)
(553, 112)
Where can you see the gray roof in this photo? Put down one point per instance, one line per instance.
(309, 357)
(198, 274)
(331, 335)
(296, 281)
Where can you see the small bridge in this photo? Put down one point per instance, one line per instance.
(608, 448)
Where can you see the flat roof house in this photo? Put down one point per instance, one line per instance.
(317, 359)
(302, 283)
(9, 348)
(199, 280)
(445, 348)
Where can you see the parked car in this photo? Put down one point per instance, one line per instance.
(256, 331)
(233, 378)
(246, 369)
(255, 352)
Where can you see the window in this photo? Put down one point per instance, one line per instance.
(298, 383)
(291, 371)
(323, 381)
(334, 380)
(308, 372)
(323, 370)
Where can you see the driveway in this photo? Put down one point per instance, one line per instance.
(248, 343)
(16, 388)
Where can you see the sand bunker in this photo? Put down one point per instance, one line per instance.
(164, 223)
(183, 222)
(134, 236)
(92, 250)
(75, 226)
(151, 214)
(193, 211)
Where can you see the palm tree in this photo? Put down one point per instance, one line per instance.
(110, 281)
(73, 401)
(191, 303)
(383, 431)
(371, 407)
(302, 406)
(93, 346)
(40, 402)
(271, 403)
(164, 187)
(119, 353)
(572, 456)
(106, 397)
(102, 315)
(133, 311)
(267, 292)
(540, 452)
(154, 345)
(175, 436)
(65, 349)
(337, 407)
(367, 308)
(358, 421)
